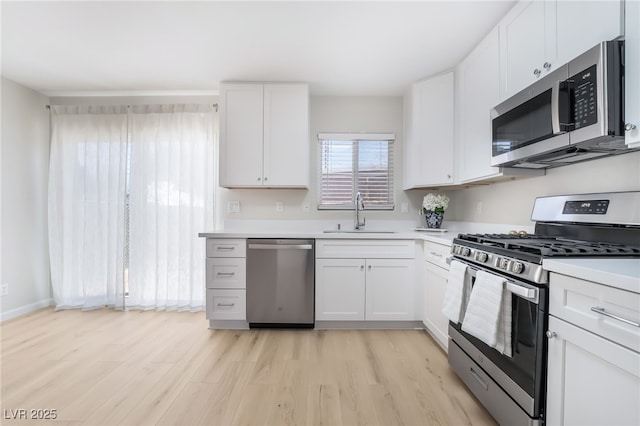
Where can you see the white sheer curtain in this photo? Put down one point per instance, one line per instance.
(86, 205)
(171, 200)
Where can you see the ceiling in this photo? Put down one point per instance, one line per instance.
(340, 48)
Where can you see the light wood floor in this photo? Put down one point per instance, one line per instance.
(166, 368)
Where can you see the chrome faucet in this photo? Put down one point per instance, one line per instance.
(359, 206)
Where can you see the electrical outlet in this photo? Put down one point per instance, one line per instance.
(233, 206)
(405, 207)
(4, 290)
(279, 206)
(306, 207)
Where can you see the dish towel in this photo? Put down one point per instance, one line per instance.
(457, 292)
(488, 315)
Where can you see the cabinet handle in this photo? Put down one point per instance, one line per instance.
(537, 72)
(433, 253)
(601, 311)
(551, 334)
(629, 127)
(226, 274)
(225, 248)
(369, 267)
(448, 176)
(265, 179)
(259, 179)
(547, 65)
(362, 267)
(227, 305)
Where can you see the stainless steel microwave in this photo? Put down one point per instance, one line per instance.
(574, 113)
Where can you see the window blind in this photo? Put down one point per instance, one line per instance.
(349, 164)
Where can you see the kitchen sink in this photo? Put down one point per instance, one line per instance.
(356, 231)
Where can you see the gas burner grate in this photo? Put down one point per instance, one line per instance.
(548, 246)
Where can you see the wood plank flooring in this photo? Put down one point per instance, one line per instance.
(166, 368)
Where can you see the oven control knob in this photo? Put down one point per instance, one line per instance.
(455, 250)
(503, 263)
(517, 268)
(466, 251)
(481, 257)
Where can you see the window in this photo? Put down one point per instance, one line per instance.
(352, 162)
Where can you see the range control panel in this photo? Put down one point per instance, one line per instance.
(586, 207)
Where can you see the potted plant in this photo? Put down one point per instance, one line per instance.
(433, 207)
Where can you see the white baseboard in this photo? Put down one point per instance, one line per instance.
(27, 309)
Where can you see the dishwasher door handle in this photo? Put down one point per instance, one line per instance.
(281, 246)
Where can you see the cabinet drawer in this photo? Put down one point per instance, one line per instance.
(572, 299)
(436, 253)
(222, 247)
(226, 272)
(226, 304)
(370, 249)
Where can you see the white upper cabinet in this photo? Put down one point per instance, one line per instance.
(264, 135)
(429, 134)
(527, 49)
(537, 36)
(478, 90)
(632, 73)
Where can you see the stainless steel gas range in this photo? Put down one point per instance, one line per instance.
(512, 386)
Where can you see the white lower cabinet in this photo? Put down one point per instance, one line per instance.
(593, 375)
(389, 289)
(226, 279)
(364, 289)
(361, 288)
(226, 304)
(340, 289)
(591, 381)
(435, 285)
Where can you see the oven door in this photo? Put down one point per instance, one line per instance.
(522, 375)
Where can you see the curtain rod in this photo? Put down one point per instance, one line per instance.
(128, 106)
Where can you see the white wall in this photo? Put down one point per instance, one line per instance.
(511, 202)
(25, 165)
(330, 114)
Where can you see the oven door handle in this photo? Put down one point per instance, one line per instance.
(526, 292)
(529, 293)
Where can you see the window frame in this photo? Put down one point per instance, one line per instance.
(356, 138)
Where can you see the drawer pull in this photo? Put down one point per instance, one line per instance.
(226, 274)
(225, 248)
(433, 253)
(227, 305)
(601, 311)
(478, 379)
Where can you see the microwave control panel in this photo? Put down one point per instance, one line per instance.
(585, 98)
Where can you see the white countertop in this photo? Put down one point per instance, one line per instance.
(315, 229)
(619, 273)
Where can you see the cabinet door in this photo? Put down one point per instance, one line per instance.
(389, 289)
(435, 286)
(632, 72)
(591, 381)
(525, 34)
(433, 131)
(580, 26)
(340, 289)
(286, 135)
(479, 84)
(241, 133)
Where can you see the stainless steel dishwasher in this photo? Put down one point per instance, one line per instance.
(280, 283)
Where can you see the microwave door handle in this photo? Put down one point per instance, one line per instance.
(555, 108)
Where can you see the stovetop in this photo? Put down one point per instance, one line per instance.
(545, 245)
(521, 255)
